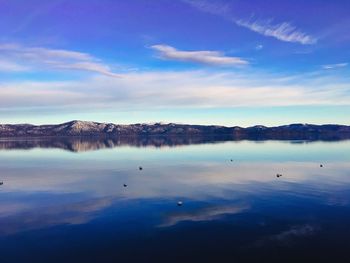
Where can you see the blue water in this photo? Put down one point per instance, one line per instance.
(59, 205)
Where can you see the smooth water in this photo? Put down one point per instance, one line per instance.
(68, 203)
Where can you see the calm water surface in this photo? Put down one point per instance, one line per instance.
(69, 204)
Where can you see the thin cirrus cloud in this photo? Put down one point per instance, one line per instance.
(284, 31)
(214, 58)
(15, 57)
(335, 66)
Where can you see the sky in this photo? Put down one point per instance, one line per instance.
(232, 62)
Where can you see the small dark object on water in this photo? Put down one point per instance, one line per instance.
(125, 185)
(140, 168)
(1, 183)
(278, 175)
(179, 203)
(321, 165)
(231, 160)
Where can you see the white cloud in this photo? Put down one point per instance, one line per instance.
(215, 58)
(175, 90)
(335, 66)
(9, 66)
(43, 53)
(284, 31)
(89, 66)
(20, 58)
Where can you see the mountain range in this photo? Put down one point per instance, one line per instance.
(96, 129)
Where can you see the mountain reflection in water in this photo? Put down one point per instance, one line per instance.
(82, 144)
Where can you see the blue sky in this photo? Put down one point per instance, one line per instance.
(206, 62)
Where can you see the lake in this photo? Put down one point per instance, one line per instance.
(213, 201)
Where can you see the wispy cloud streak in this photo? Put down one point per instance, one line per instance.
(214, 58)
(23, 58)
(335, 66)
(10, 66)
(284, 31)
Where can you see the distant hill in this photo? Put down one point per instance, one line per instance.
(84, 128)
